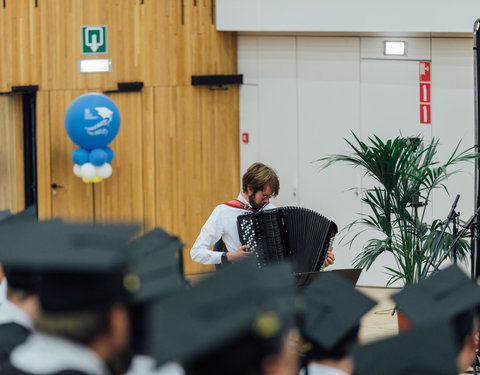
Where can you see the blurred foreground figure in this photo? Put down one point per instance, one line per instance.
(20, 306)
(448, 297)
(422, 351)
(154, 273)
(235, 322)
(330, 325)
(83, 323)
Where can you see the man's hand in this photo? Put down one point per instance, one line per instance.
(239, 254)
(330, 258)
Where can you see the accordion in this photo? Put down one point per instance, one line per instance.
(295, 233)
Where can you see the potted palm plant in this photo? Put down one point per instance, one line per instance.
(404, 171)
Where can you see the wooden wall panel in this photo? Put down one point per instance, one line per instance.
(73, 201)
(148, 148)
(177, 154)
(20, 47)
(197, 159)
(121, 196)
(12, 192)
(147, 42)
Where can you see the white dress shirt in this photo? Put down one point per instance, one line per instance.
(11, 313)
(318, 369)
(3, 290)
(145, 365)
(222, 223)
(44, 354)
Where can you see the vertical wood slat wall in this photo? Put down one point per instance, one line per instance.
(11, 154)
(177, 153)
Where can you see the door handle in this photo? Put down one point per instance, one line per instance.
(55, 186)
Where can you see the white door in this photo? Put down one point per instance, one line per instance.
(328, 110)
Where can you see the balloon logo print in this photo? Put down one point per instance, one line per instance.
(92, 121)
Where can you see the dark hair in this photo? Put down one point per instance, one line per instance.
(25, 281)
(258, 176)
(341, 350)
(78, 326)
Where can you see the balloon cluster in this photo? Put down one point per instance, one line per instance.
(92, 121)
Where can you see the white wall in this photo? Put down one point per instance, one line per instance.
(303, 95)
(347, 15)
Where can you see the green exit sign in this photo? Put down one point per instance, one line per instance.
(94, 40)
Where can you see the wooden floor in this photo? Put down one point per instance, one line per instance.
(379, 322)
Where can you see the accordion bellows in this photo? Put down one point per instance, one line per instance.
(298, 234)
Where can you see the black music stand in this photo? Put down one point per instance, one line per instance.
(350, 274)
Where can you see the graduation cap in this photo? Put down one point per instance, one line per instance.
(81, 266)
(442, 296)
(28, 215)
(19, 278)
(154, 273)
(333, 308)
(4, 214)
(427, 350)
(241, 306)
(154, 264)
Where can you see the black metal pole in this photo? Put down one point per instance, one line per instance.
(454, 235)
(476, 57)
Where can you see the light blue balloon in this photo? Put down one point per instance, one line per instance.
(110, 154)
(98, 156)
(92, 121)
(80, 156)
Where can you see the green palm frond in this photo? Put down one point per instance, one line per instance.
(403, 170)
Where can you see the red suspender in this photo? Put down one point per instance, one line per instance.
(235, 203)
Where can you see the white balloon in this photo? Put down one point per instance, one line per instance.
(104, 170)
(87, 171)
(77, 170)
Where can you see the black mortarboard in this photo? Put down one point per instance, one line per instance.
(154, 266)
(81, 265)
(19, 278)
(427, 350)
(28, 215)
(240, 301)
(154, 272)
(4, 214)
(333, 308)
(442, 296)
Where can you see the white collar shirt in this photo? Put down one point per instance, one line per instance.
(45, 354)
(318, 369)
(222, 223)
(11, 313)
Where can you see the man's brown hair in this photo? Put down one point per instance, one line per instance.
(258, 176)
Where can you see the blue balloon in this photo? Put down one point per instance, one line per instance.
(80, 156)
(110, 154)
(97, 156)
(92, 121)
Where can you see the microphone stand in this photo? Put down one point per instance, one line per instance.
(452, 216)
(466, 227)
(476, 70)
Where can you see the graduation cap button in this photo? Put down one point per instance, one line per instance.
(267, 325)
(131, 282)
